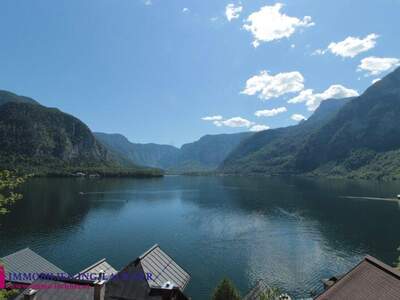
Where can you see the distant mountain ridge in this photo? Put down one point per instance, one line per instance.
(358, 138)
(200, 156)
(151, 154)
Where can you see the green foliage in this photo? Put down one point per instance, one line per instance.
(47, 142)
(226, 291)
(9, 181)
(8, 294)
(271, 294)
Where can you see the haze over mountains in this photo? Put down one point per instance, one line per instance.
(356, 137)
(203, 155)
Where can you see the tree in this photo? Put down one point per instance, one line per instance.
(9, 181)
(226, 290)
(270, 294)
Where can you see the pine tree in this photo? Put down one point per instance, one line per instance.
(226, 291)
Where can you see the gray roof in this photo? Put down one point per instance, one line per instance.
(96, 268)
(163, 269)
(371, 279)
(60, 289)
(27, 261)
(135, 288)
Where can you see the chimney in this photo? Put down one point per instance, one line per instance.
(99, 289)
(30, 294)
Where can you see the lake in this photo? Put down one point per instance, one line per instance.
(292, 232)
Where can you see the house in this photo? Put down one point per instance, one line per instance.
(153, 275)
(163, 278)
(94, 271)
(24, 266)
(371, 279)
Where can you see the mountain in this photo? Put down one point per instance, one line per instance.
(361, 134)
(38, 139)
(151, 155)
(358, 138)
(6, 96)
(274, 151)
(207, 153)
(203, 155)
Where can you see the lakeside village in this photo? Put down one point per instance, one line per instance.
(154, 275)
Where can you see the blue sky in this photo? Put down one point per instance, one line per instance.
(153, 70)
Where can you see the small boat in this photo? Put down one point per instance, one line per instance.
(398, 196)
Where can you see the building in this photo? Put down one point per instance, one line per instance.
(371, 279)
(154, 276)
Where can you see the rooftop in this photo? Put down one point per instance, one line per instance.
(27, 261)
(98, 267)
(163, 269)
(371, 279)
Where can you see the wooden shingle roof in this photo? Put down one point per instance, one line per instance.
(26, 261)
(371, 279)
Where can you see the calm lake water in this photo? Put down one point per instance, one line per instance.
(289, 231)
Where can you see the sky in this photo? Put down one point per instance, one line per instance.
(171, 71)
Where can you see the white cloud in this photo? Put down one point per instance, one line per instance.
(232, 11)
(312, 100)
(375, 80)
(298, 117)
(258, 127)
(351, 46)
(273, 86)
(234, 122)
(270, 112)
(318, 52)
(148, 2)
(219, 121)
(186, 10)
(212, 118)
(377, 65)
(269, 24)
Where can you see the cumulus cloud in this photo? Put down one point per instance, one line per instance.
(377, 65)
(232, 11)
(269, 24)
(273, 86)
(298, 117)
(186, 10)
(258, 127)
(313, 100)
(375, 80)
(270, 112)
(351, 46)
(212, 118)
(234, 122)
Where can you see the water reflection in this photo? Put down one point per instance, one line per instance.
(290, 231)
